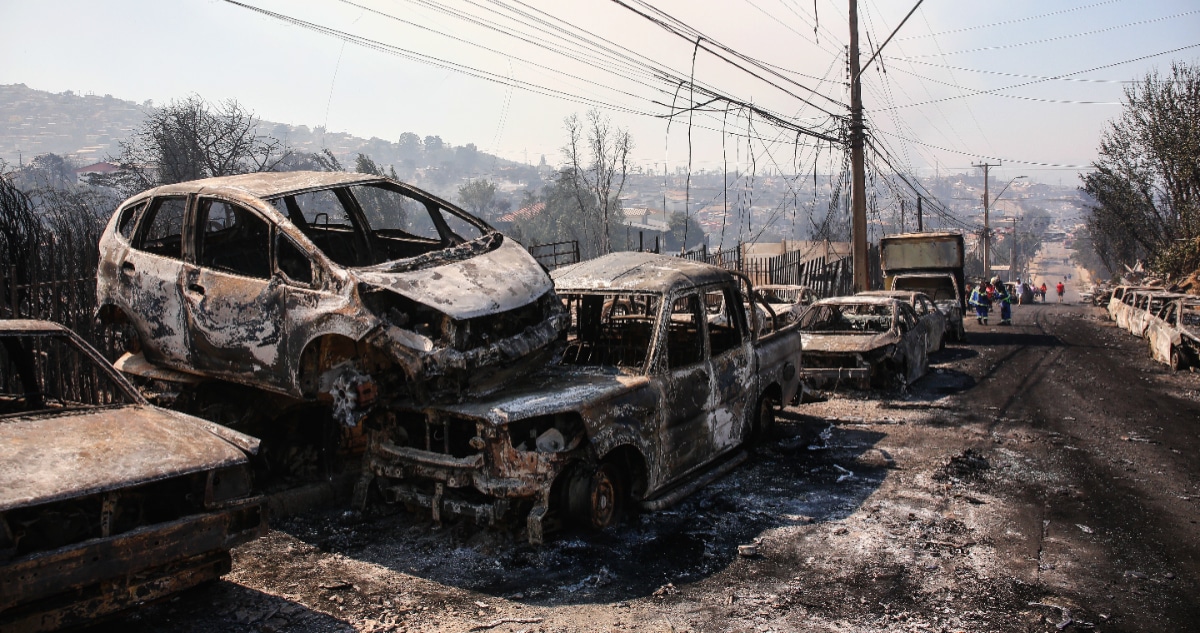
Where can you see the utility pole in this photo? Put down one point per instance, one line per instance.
(987, 235)
(1012, 263)
(858, 183)
(920, 229)
(901, 215)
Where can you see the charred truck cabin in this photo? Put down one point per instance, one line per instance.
(652, 395)
(341, 287)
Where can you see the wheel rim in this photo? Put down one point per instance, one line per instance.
(604, 498)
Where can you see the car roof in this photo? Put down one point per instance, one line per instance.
(781, 287)
(860, 300)
(896, 294)
(637, 272)
(265, 184)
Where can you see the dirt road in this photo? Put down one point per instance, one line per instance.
(1043, 477)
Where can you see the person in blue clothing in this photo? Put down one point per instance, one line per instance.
(982, 302)
(1005, 298)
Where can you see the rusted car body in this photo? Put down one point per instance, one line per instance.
(863, 342)
(928, 314)
(1119, 302)
(1146, 305)
(785, 301)
(1174, 333)
(105, 500)
(319, 284)
(641, 406)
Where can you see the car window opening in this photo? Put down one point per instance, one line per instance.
(610, 330)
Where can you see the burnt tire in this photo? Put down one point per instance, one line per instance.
(597, 496)
(764, 418)
(1176, 360)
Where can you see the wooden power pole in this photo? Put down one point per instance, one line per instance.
(858, 171)
(987, 235)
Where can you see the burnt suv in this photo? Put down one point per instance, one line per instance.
(323, 285)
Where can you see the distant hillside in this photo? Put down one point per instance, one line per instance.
(87, 128)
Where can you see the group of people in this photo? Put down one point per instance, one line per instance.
(986, 294)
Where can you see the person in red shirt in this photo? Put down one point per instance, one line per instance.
(1060, 288)
(1043, 292)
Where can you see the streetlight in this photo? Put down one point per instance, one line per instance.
(987, 233)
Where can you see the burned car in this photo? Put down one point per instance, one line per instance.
(105, 500)
(1174, 333)
(937, 327)
(786, 302)
(643, 405)
(323, 285)
(863, 342)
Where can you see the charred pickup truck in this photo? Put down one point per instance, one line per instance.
(105, 500)
(322, 286)
(649, 400)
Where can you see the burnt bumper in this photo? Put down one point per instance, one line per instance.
(856, 377)
(483, 490)
(78, 583)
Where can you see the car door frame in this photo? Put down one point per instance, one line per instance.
(237, 332)
(157, 313)
(686, 444)
(730, 371)
(916, 362)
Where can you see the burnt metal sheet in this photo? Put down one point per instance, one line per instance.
(636, 272)
(849, 343)
(31, 326)
(551, 391)
(123, 557)
(137, 365)
(489, 283)
(75, 453)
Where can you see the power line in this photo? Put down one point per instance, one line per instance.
(1061, 37)
(1008, 22)
(1078, 72)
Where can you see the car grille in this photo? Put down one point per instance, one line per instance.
(444, 435)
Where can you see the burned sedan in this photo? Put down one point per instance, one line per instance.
(323, 285)
(863, 342)
(1174, 333)
(929, 315)
(105, 500)
(643, 405)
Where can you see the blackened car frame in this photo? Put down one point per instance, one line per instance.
(347, 288)
(105, 500)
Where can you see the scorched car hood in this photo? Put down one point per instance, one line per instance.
(493, 282)
(553, 390)
(84, 452)
(848, 342)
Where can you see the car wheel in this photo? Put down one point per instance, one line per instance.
(1176, 359)
(597, 496)
(764, 418)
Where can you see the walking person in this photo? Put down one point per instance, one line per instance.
(1060, 288)
(1043, 292)
(1005, 299)
(982, 302)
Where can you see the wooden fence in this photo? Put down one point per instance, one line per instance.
(58, 284)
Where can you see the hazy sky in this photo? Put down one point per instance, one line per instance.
(1026, 83)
